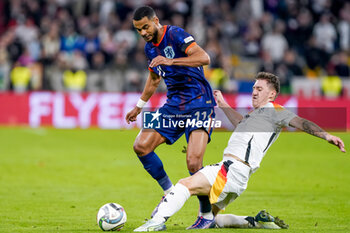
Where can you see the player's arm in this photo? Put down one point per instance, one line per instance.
(151, 85)
(196, 57)
(313, 129)
(234, 116)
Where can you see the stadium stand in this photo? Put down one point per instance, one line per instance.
(301, 41)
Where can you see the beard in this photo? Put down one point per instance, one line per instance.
(155, 36)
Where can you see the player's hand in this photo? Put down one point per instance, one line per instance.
(220, 99)
(336, 141)
(132, 115)
(160, 60)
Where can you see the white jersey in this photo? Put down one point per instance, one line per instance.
(256, 132)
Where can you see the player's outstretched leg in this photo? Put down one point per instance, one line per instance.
(172, 203)
(267, 221)
(152, 225)
(262, 220)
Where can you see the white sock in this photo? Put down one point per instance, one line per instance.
(173, 201)
(208, 215)
(231, 221)
(168, 190)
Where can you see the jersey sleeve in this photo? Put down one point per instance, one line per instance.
(182, 39)
(148, 59)
(284, 116)
(149, 68)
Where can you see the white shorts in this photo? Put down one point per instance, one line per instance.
(228, 179)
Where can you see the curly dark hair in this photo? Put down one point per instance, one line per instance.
(144, 11)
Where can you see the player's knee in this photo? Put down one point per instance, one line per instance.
(193, 165)
(190, 185)
(185, 182)
(140, 148)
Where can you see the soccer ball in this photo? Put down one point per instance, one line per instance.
(111, 217)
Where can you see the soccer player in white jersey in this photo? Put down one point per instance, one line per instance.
(223, 182)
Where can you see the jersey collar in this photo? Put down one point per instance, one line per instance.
(161, 39)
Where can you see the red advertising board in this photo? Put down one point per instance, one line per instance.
(108, 110)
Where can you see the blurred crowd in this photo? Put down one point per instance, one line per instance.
(90, 45)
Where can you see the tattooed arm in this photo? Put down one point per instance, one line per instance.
(313, 129)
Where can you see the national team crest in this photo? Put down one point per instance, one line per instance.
(169, 52)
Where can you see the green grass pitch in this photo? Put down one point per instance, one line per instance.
(55, 181)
